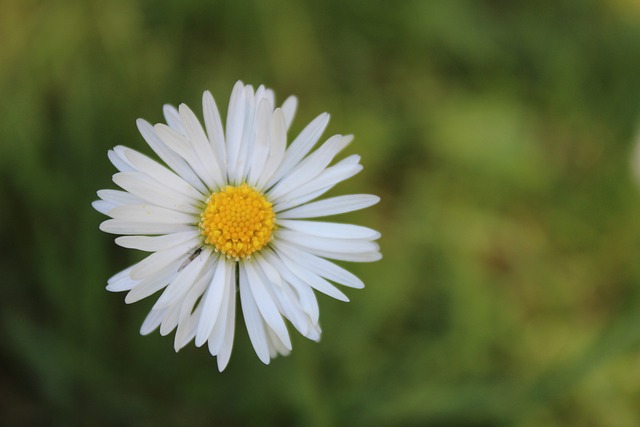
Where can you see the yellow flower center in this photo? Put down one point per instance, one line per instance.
(237, 221)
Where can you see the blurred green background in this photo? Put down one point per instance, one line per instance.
(498, 134)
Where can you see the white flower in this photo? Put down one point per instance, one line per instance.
(230, 212)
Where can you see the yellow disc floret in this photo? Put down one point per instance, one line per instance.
(237, 221)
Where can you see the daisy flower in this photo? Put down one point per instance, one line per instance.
(229, 211)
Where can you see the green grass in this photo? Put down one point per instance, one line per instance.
(498, 134)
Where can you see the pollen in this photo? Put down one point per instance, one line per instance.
(237, 221)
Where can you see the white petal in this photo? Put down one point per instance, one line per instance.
(351, 257)
(102, 206)
(239, 174)
(119, 161)
(213, 123)
(118, 197)
(305, 293)
(184, 148)
(289, 107)
(313, 279)
(211, 302)
(121, 281)
(299, 200)
(321, 266)
(326, 243)
(331, 206)
(287, 302)
(277, 146)
(156, 243)
(315, 332)
(260, 94)
(229, 321)
(173, 160)
(183, 281)
(158, 260)
(150, 190)
(201, 144)
(268, 94)
(117, 226)
(186, 329)
(152, 284)
(276, 346)
(260, 151)
(151, 213)
(353, 159)
(310, 167)
(330, 229)
(270, 273)
(253, 319)
(170, 320)
(308, 299)
(265, 304)
(198, 289)
(161, 174)
(190, 317)
(235, 126)
(327, 179)
(172, 117)
(300, 146)
(218, 337)
(152, 321)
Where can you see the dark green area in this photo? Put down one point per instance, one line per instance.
(499, 135)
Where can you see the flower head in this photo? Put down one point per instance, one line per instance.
(229, 212)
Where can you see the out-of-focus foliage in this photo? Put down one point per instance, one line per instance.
(498, 134)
